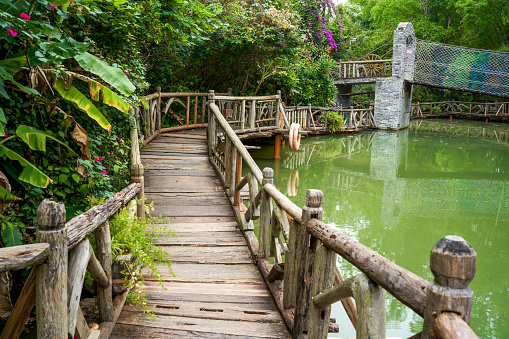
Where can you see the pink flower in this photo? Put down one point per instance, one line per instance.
(52, 6)
(96, 159)
(100, 159)
(105, 172)
(126, 72)
(6, 135)
(11, 32)
(341, 42)
(25, 16)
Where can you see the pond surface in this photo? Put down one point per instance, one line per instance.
(400, 192)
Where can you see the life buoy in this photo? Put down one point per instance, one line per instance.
(296, 137)
(290, 136)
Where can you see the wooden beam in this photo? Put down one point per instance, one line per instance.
(18, 257)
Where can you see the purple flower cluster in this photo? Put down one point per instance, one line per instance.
(316, 14)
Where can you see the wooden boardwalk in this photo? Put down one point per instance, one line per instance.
(217, 291)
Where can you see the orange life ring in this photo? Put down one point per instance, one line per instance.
(290, 136)
(296, 137)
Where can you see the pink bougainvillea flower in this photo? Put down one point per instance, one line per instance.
(100, 159)
(11, 32)
(105, 172)
(126, 72)
(6, 135)
(52, 6)
(96, 159)
(25, 16)
(341, 42)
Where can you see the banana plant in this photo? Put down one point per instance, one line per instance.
(36, 140)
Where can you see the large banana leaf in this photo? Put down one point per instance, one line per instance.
(113, 100)
(30, 173)
(6, 196)
(36, 139)
(83, 103)
(112, 75)
(13, 65)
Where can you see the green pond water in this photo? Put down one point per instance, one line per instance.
(400, 192)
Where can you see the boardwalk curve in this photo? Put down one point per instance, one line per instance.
(217, 291)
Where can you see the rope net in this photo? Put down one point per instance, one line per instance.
(462, 68)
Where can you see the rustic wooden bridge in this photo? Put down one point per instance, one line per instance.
(228, 281)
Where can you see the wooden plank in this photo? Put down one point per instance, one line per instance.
(223, 289)
(218, 273)
(201, 227)
(184, 195)
(266, 330)
(157, 296)
(187, 201)
(18, 257)
(182, 211)
(141, 332)
(213, 312)
(180, 220)
(183, 189)
(203, 239)
(168, 180)
(209, 255)
(186, 173)
(168, 155)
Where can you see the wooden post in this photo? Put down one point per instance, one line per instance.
(238, 177)
(188, 109)
(243, 115)
(265, 215)
(137, 170)
(278, 111)
(104, 294)
(196, 110)
(211, 125)
(51, 279)
(252, 114)
(453, 264)
(291, 267)
(78, 261)
(277, 146)
(323, 278)
(158, 117)
(203, 109)
(305, 251)
(229, 169)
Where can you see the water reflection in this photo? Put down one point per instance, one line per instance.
(400, 192)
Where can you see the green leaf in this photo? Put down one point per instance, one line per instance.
(6, 196)
(3, 122)
(36, 139)
(113, 100)
(13, 65)
(112, 75)
(83, 103)
(30, 173)
(62, 178)
(11, 235)
(76, 177)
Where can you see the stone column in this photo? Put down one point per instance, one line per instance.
(343, 100)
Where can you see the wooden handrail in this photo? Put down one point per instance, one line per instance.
(450, 325)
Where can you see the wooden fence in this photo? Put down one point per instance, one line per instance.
(474, 109)
(316, 118)
(153, 107)
(55, 282)
(362, 69)
(307, 281)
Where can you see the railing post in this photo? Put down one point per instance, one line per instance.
(305, 251)
(51, 279)
(137, 169)
(238, 177)
(453, 264)
(265, 215)
(279, 119)
(104, 294)
(158, 118)
(212, 125)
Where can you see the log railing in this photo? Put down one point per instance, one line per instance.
(315, 118)
(362, 69)
(461, 108)
(251, 114)
(153, 107)
(296, 254)
(60, 259)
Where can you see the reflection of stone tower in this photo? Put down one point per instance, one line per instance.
(388, 152)
(393, 96)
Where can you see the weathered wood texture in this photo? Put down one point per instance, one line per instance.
(450, 325)
(51, 281)
(406, 286)
(79, 227)
(217, 291)
(18, 257)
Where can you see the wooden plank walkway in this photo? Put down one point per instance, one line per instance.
(217, 291)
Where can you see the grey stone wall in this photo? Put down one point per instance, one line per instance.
(393, 97)
(343, 100)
